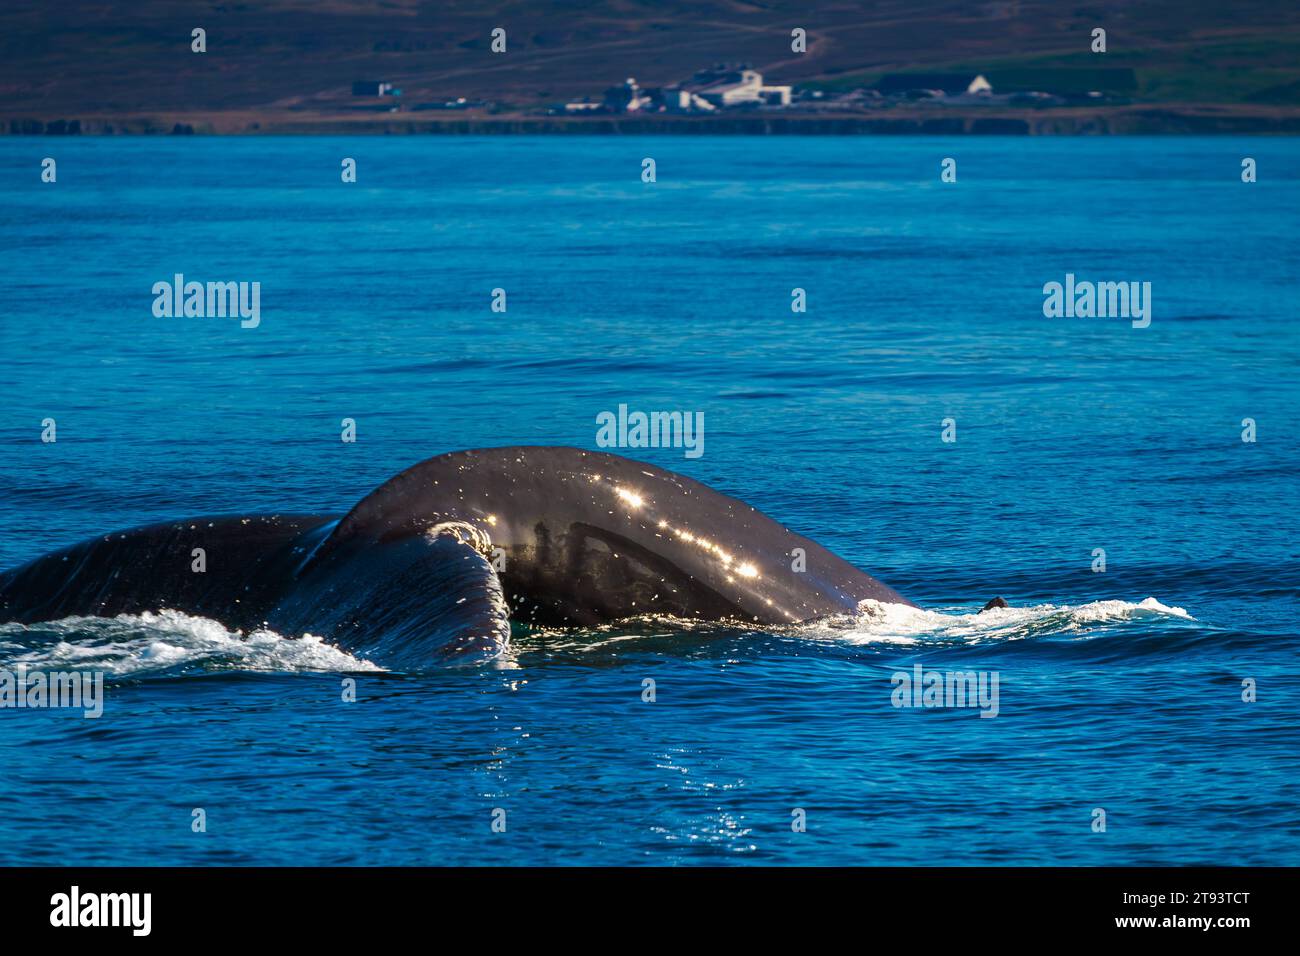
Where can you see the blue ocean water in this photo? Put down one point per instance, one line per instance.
(1119, 690)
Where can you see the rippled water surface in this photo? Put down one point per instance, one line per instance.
(1119, 690)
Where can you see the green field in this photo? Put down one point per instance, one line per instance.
(290, 58)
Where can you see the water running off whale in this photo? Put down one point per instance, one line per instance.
(436, 562)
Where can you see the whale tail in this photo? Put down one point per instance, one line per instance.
(402, 603)
(575, 538)
(405, 602)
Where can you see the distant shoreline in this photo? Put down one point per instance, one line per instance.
(1125, 120)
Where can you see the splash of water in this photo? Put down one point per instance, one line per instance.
(877, 623)
(171, 642)
(166, 642)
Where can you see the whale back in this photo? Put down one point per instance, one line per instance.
(581, 537)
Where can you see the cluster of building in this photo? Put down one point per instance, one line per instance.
(723, 87)
(707, 91)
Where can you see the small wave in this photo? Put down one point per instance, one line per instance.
(877, 623)
(171, 643)
(167, 642)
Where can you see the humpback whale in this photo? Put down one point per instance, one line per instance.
(437, 562)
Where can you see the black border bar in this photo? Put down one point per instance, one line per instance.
(331, 905)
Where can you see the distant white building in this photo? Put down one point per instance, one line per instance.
(979, 85)
(707, 92)
(627, 98)
(679, 100)
(738, 88)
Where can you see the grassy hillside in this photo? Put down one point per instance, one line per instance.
(82, 58)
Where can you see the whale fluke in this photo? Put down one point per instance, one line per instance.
(438, 560)
(401, 604)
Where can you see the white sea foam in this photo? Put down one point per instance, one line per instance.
(877, 623)
(141, 644)
(171, 641)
